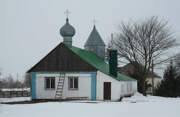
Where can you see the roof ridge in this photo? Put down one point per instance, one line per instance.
(83, 50)
(97, 62)
(44, 57)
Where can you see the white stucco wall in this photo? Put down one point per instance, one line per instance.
(118, 88)
(128, 87)
(115, 86)
(84, 86)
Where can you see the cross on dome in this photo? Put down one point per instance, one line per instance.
(67, 12)
(94, 21)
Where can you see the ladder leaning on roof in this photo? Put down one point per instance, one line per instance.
(60, 85)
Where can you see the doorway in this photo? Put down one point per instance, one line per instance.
(107, 90)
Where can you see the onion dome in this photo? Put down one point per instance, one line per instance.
(67, 30)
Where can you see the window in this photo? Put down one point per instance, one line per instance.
(73, 82)
(49, 82)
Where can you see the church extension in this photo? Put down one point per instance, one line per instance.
(68, 72)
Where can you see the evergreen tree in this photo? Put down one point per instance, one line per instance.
(178, 85)
(169, 86)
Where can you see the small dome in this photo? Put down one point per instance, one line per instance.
(67, 30)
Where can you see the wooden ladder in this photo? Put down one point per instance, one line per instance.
(59, 89)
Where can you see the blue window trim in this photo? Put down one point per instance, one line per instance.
(93, 82)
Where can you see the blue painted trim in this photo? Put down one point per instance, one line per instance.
(93, 86)
(33, 85)
(64, 72)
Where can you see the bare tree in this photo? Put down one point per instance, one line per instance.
(177, 61)
(145, 43)
(0, 78)
(27, 80)
(9, 82)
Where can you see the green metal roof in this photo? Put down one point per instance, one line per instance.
(97, 62)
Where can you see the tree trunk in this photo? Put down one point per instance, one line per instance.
(144, 87)
(152, 78)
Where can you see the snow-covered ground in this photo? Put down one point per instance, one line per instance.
(135, 106)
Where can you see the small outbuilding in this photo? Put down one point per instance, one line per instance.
(68, 72)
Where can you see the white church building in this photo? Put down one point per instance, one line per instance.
(68, 72)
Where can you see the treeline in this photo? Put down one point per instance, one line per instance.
(9, 82)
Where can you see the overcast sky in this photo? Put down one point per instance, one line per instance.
(29, 29)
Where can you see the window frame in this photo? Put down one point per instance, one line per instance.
(73, 79)
(50, 83)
